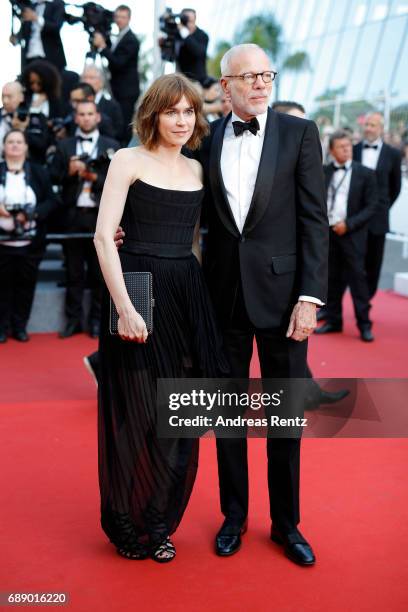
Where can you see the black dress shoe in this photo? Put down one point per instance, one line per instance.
(296, 548)
(94, 329)
(92, 365)
(71, 328)
(321, 314)
(328, 328)
(21, 335)
(326, 397)
(3, 337)
(366, 335)
(228, 540)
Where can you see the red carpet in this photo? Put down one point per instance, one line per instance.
(354, 497)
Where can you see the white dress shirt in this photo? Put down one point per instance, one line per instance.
(338, 192)
(16, 191)
(119, 37)
(85, 199)
(35, 47)
(369, 157)
(240, 159)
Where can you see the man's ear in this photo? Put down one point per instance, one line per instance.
(225, 85)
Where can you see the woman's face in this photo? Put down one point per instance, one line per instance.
(176, 124)
(15, 146)
(34, 82)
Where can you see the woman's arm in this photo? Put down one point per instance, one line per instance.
(196, 242)
(131, 325)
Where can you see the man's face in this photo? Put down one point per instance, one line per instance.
(342, 150)
(248, 100)
(15, 146)
(93, 78)
(373, 127)
(122, 19)
(76, 96)
(12, 96)
(190, 18)
(87, 117)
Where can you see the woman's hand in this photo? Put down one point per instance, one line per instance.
(132, 327)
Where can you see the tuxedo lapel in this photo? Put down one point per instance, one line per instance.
(266, 173)
(358, 152)
(382, 156)
(216, 181)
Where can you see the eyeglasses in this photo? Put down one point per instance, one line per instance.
(251, 77)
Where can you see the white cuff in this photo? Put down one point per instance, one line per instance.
(40, 21)
(307, 298)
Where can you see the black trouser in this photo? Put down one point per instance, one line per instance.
(347, 267)
(279, 357)
(373, 261)
(18, 277)
(128, 108)
(82, 264)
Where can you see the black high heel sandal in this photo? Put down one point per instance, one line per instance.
(163, 552)
(128, 544)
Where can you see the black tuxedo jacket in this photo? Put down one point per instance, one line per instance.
(111, 109)
(192, 55)
(282, 252)
(123, 66)
(50, 34)
(72, 185)
(362, 203)
(388, 173)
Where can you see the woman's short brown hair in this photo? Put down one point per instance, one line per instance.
(165, 93)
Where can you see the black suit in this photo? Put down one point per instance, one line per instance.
(76, 219)
(388, 173)
(192, 55)
(50, 35)
(255, 279)
(111, 109)
(346, 253)
(19, 265)
(123, 66)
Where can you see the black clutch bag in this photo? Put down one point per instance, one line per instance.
(139, 286)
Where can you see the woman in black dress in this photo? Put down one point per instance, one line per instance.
(155, 193)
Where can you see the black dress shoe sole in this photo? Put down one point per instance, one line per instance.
(228, 554)
(279, 540)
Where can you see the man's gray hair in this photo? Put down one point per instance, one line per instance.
(96, 69)
(228, 56)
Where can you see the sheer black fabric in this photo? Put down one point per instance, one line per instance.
(145, 482)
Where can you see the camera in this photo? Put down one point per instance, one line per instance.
(100, 164)
(95, 18)
(168, 23)
(19, 230)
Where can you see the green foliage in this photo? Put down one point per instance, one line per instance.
(213, 63)
(262, 30)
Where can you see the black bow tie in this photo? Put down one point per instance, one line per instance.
(368, 146)
(241, 126)
(339, 168)
(83, 139)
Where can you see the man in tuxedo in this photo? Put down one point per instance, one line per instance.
(40, 33)
(122, 55)
(81, 191)
(106, 105)
(266, 267)
(352, 202)
(374, 153)
(191, 48)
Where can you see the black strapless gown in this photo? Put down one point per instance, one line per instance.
(145, 482)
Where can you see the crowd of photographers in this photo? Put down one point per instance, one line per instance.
(58, 132)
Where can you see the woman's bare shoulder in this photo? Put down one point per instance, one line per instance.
(196, 167)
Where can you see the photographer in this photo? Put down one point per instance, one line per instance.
(15, 114)
(191, 50)
(122, 55)
(80, 168)
(26, 200)
(40, 31)
(106, 105)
